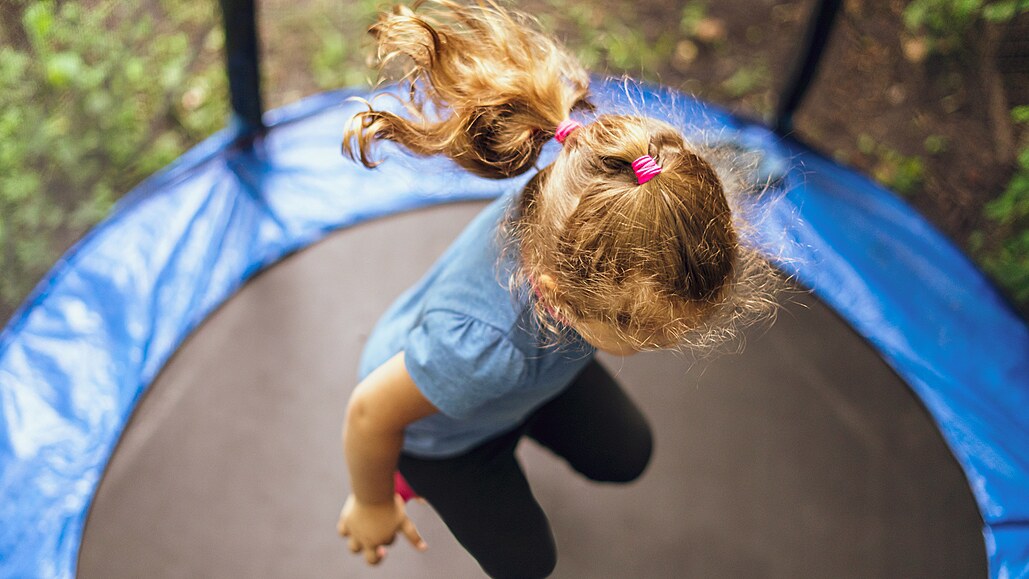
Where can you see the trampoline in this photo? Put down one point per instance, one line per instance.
(172, 392)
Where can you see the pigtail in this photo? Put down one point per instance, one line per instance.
(484, 87)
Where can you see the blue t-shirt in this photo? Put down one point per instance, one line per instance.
(472, 348)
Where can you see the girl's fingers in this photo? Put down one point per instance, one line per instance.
(411, 532)
(355, 547)
(374, 554)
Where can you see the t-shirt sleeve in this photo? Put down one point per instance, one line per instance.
(459, 363)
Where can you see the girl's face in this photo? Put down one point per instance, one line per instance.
(604, 338)
(600, 335)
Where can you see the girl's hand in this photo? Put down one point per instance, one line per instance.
(371, 527)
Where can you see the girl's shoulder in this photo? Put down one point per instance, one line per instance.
(471, 278)
(447, 344)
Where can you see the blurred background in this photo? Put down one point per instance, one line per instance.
(928, 97)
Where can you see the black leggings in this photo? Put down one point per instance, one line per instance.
(484, 499)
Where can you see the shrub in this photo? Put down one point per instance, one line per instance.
(93, 98)
(945, 22)
(1004, 251)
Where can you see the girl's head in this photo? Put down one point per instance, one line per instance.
(645, 264)
(628, 266)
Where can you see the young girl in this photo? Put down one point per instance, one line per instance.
(626, 242)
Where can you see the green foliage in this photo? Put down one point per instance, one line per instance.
(901, 173)
(942, 16)
(601, 39)
(1020, 114)
(339, 58)
(94, 96)
(693, 13)
(1004, 10)
(1004, 251)
(945, 22)
(329, 59)
(747, 80)
(936, 144)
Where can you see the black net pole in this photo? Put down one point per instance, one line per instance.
(241, 54)
(815, 38)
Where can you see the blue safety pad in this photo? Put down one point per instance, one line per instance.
(98, 329)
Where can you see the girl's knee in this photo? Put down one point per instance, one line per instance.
(628, 465)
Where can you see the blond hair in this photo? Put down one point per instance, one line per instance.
(660, 264)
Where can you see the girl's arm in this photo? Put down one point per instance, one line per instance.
(381, 406)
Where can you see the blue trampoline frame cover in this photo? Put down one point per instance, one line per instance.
(78, 355)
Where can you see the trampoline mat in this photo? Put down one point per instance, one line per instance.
(803, 456)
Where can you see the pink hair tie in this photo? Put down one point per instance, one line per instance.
(565, 128)
(645, 169)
